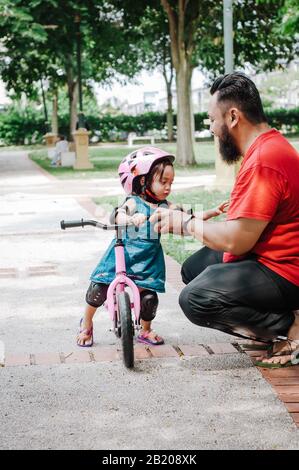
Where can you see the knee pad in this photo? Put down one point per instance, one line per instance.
(148, 304)
(96, 294)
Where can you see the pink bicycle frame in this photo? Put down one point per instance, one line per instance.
(119, 284)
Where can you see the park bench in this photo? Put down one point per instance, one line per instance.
(134, 137)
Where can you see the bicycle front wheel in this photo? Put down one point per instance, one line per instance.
(127, 329)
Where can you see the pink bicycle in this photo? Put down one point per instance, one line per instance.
(120, 302)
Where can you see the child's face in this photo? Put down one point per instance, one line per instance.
(161, 186)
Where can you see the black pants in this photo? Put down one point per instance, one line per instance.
(244, 298)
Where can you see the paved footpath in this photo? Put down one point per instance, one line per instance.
(198, 391)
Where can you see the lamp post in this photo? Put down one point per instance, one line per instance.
(81, 119)
(228, 35)
(225, 175)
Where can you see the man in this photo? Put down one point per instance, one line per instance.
(60, 147)
(245, 281)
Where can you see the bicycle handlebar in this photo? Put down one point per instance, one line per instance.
(82, 223)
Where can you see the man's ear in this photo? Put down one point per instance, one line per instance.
(234, 114)
(142, 180)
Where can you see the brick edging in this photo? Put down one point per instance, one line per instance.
(112, 353)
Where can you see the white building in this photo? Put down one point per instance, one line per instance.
(157, 101)
(281, 88)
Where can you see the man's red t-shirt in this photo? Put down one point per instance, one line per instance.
(267, 188)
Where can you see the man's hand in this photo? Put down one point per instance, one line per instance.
(169, 221)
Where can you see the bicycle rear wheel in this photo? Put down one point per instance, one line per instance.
(127, 329)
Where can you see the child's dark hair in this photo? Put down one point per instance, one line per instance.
(158, 168)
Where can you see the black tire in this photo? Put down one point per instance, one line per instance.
(127, 329)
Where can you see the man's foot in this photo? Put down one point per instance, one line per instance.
(85, 336)
(149, 337)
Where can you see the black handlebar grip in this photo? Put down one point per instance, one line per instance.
(71, 224)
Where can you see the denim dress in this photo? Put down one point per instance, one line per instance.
(144, 256)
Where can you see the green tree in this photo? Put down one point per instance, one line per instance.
(290, 18)
(50, 45)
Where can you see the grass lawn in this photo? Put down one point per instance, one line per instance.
(175, 246)
(107, 159)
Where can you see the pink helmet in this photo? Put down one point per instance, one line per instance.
(139, 163)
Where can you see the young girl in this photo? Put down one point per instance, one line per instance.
(146, 176)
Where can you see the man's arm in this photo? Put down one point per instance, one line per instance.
(234, 236)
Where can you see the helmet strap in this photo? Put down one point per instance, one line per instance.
(150, 197)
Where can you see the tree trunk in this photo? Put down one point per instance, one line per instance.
(183, 17)
(185, 151)
(169, 113)
(73, 102)
(55, 113)
(73, 108)
(170, 124)
(167, 71)
(72, 85)
(192, 118)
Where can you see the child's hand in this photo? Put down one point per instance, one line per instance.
(221, 209)
(138, 219)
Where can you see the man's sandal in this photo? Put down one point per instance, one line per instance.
(88, 342)
(256, 347)
(293, 352)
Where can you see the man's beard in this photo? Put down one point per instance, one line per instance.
(228, 150)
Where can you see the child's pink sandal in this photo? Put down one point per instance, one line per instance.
(88, 342)
(144, 338)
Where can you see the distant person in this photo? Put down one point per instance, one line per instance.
(60, 147)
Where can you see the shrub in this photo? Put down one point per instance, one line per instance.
(19, 127)
(286, 120)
